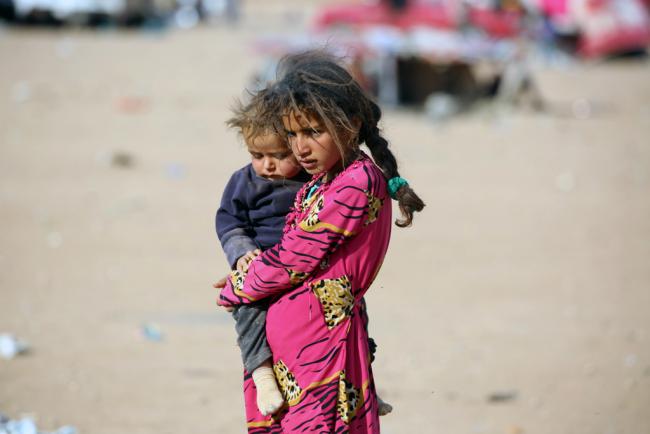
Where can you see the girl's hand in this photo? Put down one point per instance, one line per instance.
(244, 261)
(220, 284)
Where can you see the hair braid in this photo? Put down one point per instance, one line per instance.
(408, 201)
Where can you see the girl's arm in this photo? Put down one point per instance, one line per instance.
(232, 222)
(336, 215)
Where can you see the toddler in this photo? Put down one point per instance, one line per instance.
(250, 219)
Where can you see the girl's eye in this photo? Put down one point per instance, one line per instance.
(291, 134)
(315, 133)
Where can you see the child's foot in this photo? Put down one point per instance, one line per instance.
(384, 407)
(269, 398)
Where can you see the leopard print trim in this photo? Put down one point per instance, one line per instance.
(296, 277)
(349, 399)
(335, 295)
(237, 281)
(374, 205)
(312, 217)
(288, 385)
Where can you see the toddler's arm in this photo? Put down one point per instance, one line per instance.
(232, 222)
(244, 261)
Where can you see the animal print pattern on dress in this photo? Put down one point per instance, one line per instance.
(288, 385)
(237, 280)
(335, 295)
(374, 205)
(312, 217)
(295, 277)
(349, 399)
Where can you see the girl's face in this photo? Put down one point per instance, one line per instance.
(271, 158)
(313, 146)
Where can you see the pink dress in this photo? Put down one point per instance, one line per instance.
(332, 248)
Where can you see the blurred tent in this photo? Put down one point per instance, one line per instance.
(499, 20)
(609, 27)
(418, 52)
(407, 52)
(601, 27)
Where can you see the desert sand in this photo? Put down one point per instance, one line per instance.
(519, 301)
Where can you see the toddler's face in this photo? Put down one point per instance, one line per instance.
(271, 157)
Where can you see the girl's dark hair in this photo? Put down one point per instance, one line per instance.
(315, 83)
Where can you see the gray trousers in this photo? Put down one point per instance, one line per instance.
(250, 324)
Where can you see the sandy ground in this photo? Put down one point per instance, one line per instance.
(527, 276)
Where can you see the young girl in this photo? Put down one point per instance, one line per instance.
(333, 245)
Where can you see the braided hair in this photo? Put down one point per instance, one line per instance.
(315, 83)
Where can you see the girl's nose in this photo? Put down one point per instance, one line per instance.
(302, 150)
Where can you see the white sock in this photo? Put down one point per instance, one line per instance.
(269, 398)
(384, 407)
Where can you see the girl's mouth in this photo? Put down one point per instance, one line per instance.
(309, 164)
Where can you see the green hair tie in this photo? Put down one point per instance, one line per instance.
(394, 184)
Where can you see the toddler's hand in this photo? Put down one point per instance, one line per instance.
(244, 261)
(220, 284)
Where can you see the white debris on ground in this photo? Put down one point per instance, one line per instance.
(26, 425)
(10, 347)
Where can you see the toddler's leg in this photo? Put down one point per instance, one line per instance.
(256, 355)
(269, 398)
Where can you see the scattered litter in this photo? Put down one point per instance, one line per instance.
(19, 426)
(630, 360)
(502, 397)
(21, 92)
(581, 109)
(10, 346)
(514, 429)
(565, 182)
(441, 106)
(451, 396)
(589, 369)
(67, 429)
(175, 171)
(54, 240)
(122, 160)
(151, 332)
(26, 425)
(132, 104)
(186, 17)
(65, 47)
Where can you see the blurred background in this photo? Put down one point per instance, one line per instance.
(519, 301)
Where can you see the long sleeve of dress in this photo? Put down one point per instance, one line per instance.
(232, 222)
(333, 216)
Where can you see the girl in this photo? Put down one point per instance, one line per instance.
(333, 245)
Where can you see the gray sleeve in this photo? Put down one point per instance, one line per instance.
(232, 221)
(235, 244)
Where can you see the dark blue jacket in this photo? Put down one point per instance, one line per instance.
(253, 210)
